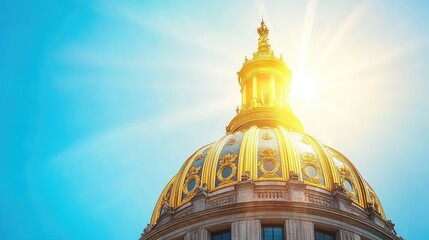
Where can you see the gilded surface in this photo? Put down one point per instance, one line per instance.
(192, 175)
(271, 157)
(346, 175)
(227, 161)
(231, 141)
(310, 160)
(267, 136)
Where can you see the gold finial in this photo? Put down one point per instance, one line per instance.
(263, 44)
(263, 30)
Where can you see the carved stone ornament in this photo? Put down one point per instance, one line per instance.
(371, 211)
(293, 176)
(339, 188)
(203, 189)
(147, 228)
(168, 209)
(390, 225)
(245, 176)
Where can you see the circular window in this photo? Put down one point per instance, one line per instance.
(348, 185)
(269, 165)
(311, 171)
(191, 185)
(226, 172)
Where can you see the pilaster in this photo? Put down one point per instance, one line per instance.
(245, 191)
(346, 235)
(343, 201)
(246, 230)
(299, 230)
(200, 234)
(296, 190)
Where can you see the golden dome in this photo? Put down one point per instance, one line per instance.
(265, 154)
(265, 142)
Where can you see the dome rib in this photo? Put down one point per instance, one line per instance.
(283, 153)
(292, 153)
(328, 166)
(245, 154)
(161, 201)
(216, 164)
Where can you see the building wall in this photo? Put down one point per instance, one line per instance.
(246, 207)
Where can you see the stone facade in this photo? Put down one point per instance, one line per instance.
(247, 206)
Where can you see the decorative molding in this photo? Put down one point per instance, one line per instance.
(319, 200)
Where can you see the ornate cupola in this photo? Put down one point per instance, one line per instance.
(265, 83)
(266, 178)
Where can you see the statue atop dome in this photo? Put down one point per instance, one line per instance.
(263, 44)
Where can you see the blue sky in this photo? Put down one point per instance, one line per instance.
(102, 101)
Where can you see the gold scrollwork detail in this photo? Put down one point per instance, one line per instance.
(373, 200)
(231, 141)
(351, 192)
(314, 178)
(346, 176)
(269, 157)
(200, 155)
(227, 161)
(371, 197)
(344, 172)
(309, 161)
(166, 197)
(307, 157)
(267, 136)
(190, 176)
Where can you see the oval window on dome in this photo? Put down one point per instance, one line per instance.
(191, 185)
(348, 185)
(226, 173)
(311, 171)
(269, 165)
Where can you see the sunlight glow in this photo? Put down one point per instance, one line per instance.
(304, 87)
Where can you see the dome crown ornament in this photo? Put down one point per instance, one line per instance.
(263, 41)
(265, 82)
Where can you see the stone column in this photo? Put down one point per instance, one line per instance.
(246, 230)
(200, 234)
(346, 235)
(299, 230)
